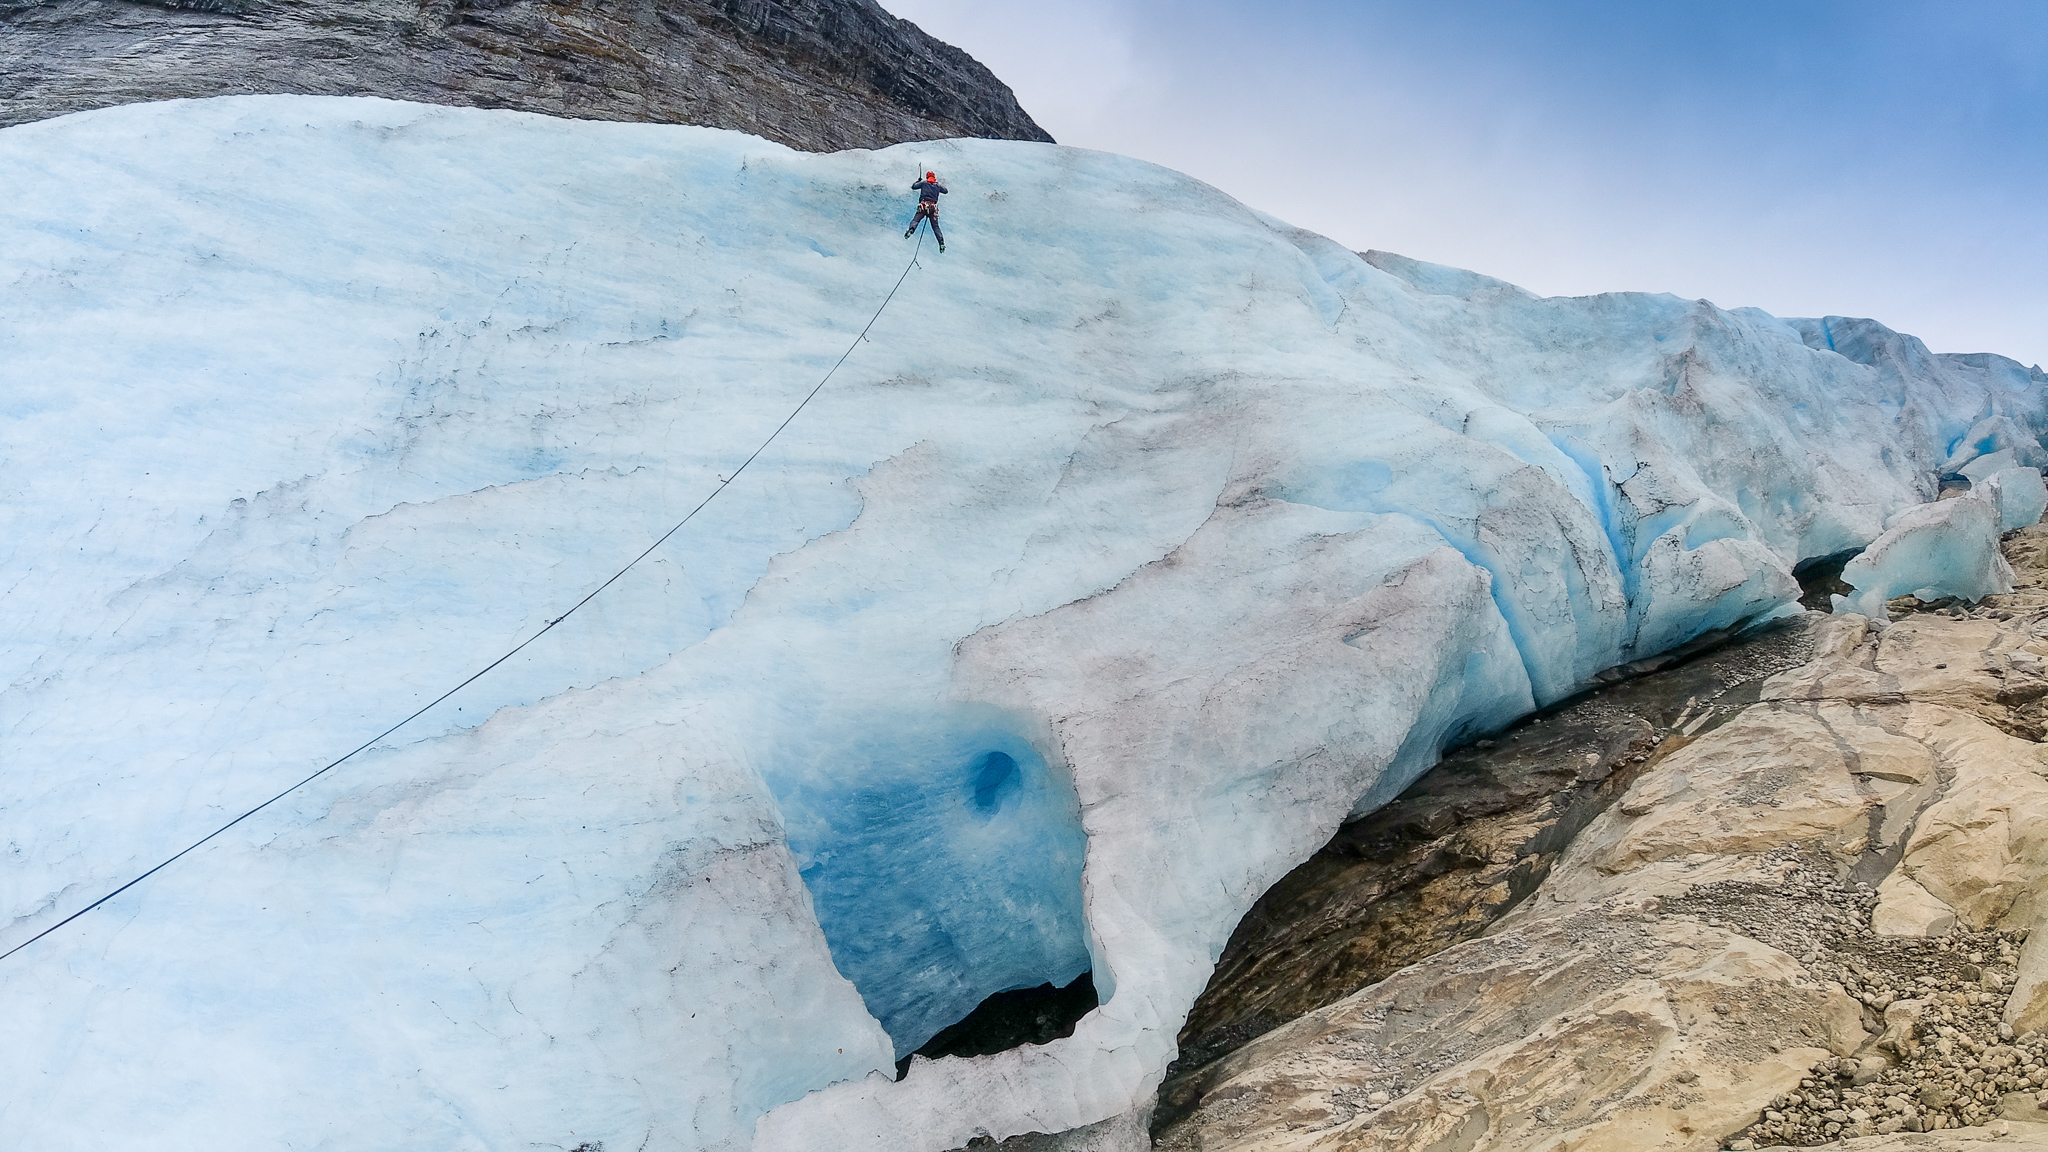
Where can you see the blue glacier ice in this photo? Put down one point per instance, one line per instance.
(2016, 490)
(991, 897)
(1934, 551)
(1145, 539)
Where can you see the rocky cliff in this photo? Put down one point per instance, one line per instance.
(814, 74)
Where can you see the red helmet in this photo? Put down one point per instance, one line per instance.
(931, 175)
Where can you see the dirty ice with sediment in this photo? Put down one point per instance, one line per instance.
(1145, 539)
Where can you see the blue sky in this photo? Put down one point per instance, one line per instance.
(1808, 157)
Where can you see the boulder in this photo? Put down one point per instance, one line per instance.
(1904, 908)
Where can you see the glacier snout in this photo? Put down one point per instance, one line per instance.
(1145, 539)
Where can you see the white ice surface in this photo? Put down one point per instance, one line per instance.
(1213, 530)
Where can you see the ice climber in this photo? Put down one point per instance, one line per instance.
(928, 192)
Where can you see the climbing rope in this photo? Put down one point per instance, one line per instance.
(550, 626)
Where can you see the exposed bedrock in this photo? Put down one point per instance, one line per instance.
(814, 74)
(1465, 844)
(1807, 910)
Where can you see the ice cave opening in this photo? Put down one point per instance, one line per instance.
(1820, 579)
(944, 865)
(1011, 1018)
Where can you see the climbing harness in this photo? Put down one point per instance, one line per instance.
(549, 627)
(917, 224)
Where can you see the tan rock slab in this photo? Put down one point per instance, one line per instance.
(1982, 848)
(1596, 1033)
(2026, 1010)
(1774, 775)
(1904, 908)
(2002, 1136)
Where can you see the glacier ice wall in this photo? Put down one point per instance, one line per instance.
(1146, 538)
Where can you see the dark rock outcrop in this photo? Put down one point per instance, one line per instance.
(815, 74)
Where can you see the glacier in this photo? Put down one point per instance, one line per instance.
(1144, 539)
